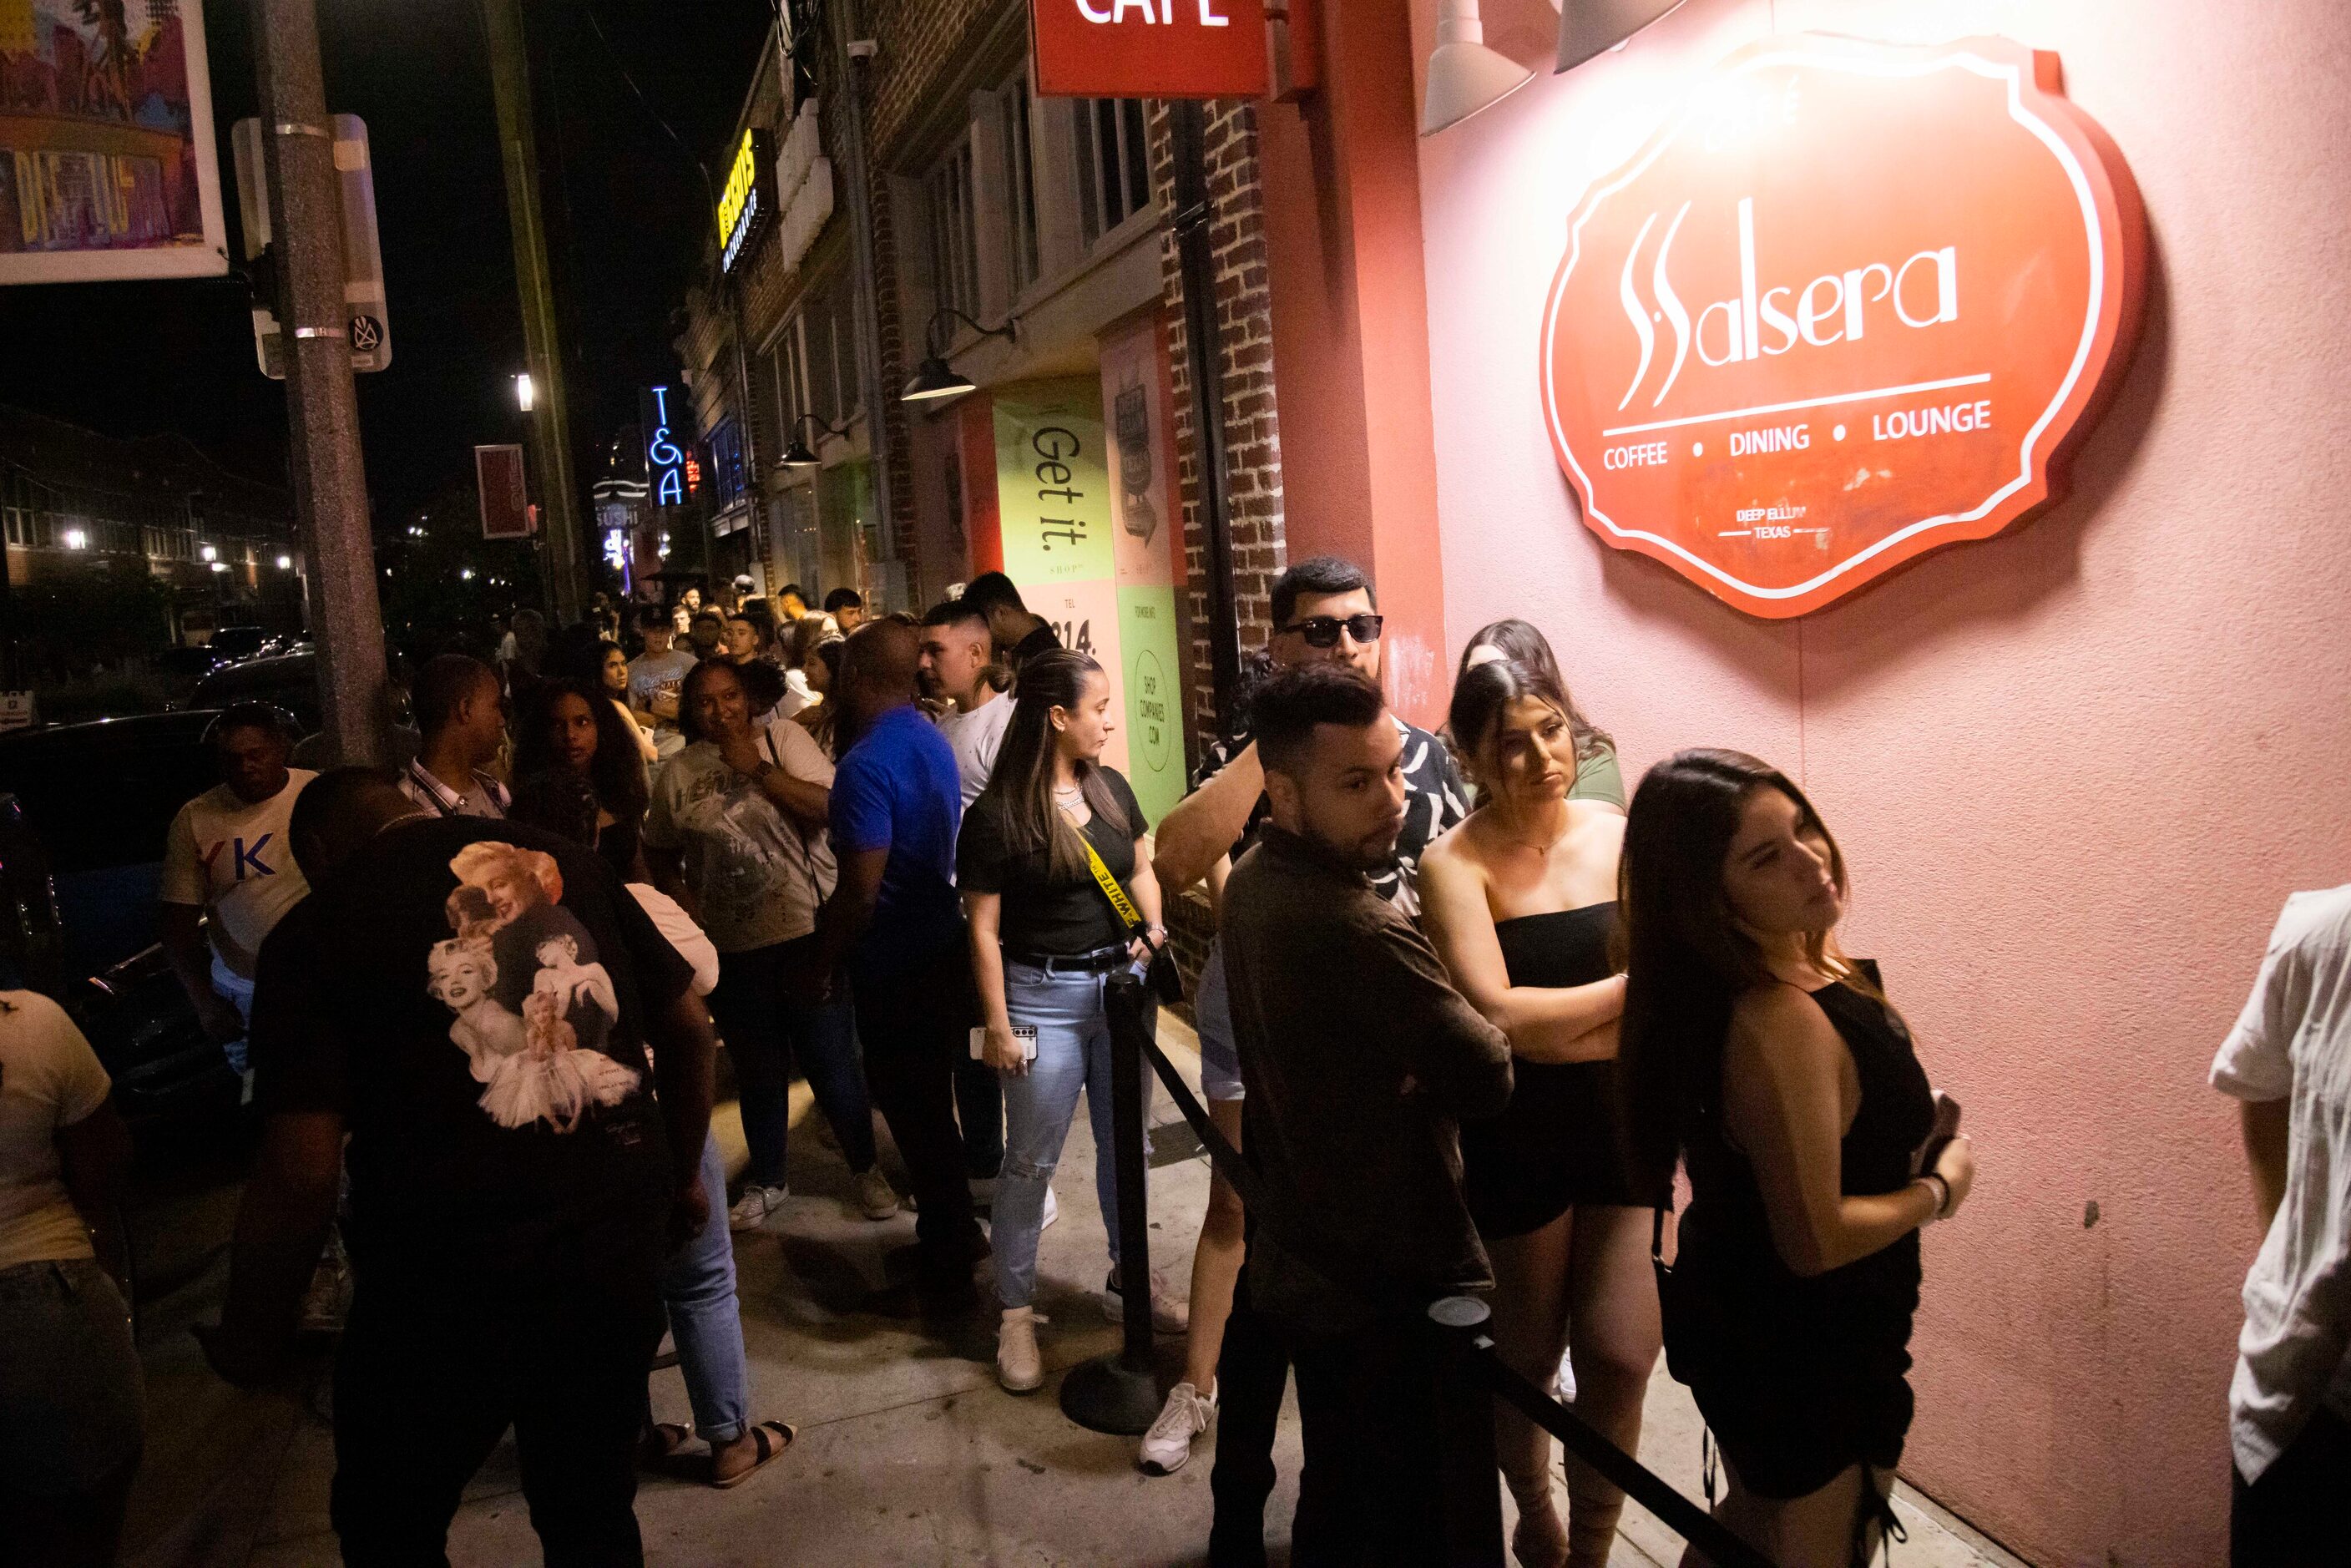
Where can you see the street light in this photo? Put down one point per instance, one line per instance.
(799, 454)
(934, 379)
(526, 394)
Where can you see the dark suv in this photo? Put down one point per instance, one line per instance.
(84, 808)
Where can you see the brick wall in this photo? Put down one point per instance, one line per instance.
(1253, 429)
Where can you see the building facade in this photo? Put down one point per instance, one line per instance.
(2076, 766)
(78, 508)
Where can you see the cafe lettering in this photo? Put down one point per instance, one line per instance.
(1853, 303)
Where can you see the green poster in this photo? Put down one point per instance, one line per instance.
(1053, 482)
(1149, 659)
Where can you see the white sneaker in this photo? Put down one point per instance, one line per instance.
(1018, 1365)
(1052, 1212)
(1183, 1417)
(875, 1195)
(751, 1210)
(1168, 1316)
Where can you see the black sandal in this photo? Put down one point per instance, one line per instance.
(657, 1448)
(768, 1450)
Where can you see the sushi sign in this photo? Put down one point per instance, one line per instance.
(1855, 302)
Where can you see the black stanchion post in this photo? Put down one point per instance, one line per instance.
(1120, 1393)
(1465, 1418)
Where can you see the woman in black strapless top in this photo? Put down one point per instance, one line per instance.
(1761, 1055)
(1519, 900)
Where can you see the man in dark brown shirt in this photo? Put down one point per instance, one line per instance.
(1360, 1061)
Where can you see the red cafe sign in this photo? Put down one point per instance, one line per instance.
(1149, 48)
(1853, 303)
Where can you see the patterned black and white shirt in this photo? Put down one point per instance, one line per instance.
(1434, 800)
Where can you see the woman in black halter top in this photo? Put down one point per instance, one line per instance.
(1519, 901)
(1788, 1084)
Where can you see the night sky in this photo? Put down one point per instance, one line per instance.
(624, 209)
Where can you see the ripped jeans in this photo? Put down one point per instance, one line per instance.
(1072, 1053)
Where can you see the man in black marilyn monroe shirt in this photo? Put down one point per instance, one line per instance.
(472, 1000)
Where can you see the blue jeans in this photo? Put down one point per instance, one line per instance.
(764, 1032)
(697, 1286)
(1073, 1047)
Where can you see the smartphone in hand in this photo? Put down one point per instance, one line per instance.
(1025, 1034)
(1945, 1128)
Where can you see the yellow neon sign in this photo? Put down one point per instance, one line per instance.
(735, 203)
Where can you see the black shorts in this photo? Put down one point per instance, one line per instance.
(1799, 1379)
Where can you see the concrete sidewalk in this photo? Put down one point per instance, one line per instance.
(908, 1452)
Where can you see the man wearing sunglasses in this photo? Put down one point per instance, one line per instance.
(1325, 611)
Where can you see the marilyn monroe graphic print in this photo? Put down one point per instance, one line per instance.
(533, 1005)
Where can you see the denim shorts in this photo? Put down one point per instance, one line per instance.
(72, 1412)
(1212, 1012)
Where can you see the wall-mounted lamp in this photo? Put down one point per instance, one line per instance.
(77, 538)
(934, 379)
(525, 392)
(799, 455)
(1589, 27)
(208, 552)
(1464, 75)
(286, 563)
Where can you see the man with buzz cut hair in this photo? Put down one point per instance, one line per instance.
(462, 726)
(1361, 1062)
(958, 671)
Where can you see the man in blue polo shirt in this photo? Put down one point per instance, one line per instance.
(894, 920)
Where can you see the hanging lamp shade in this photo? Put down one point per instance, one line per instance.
(1464, 75)
(1588, 28)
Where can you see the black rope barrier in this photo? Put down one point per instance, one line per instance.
(1459, 1320)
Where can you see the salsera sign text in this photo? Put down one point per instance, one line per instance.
(1853, 304)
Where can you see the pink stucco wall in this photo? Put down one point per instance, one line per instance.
(2076, 767)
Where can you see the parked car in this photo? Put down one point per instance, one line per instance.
(288, 680)
(233, 642)
(84, 808)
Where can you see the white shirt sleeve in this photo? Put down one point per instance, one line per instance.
(797, 753)
(183, 879)
(684, 934)
(64, 1070)
(2255, 1062)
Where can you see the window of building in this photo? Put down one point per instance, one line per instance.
(954, 233)
(1020, 231)
(727, 461)
(1113, 163)
(791, 377)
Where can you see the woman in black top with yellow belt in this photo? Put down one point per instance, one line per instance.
(1521, 901)
(1786, 1081)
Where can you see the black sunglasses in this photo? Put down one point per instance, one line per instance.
(1322, 631)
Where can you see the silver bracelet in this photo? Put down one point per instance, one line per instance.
(1943, 1206)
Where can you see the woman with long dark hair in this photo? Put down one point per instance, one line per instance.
(1597, 776)
(1044, 937)
(1768, 1061)
(1521, 901)
(612, 677)
(740, 815)
(574, 723)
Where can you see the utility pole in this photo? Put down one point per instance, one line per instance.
(542, 347)
(330, 496)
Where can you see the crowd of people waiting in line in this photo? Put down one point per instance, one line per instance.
(1469, 1011)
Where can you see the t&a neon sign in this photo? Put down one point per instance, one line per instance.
(665, 460)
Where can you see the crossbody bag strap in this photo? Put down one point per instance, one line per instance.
(808, 850)
(1120, 905)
